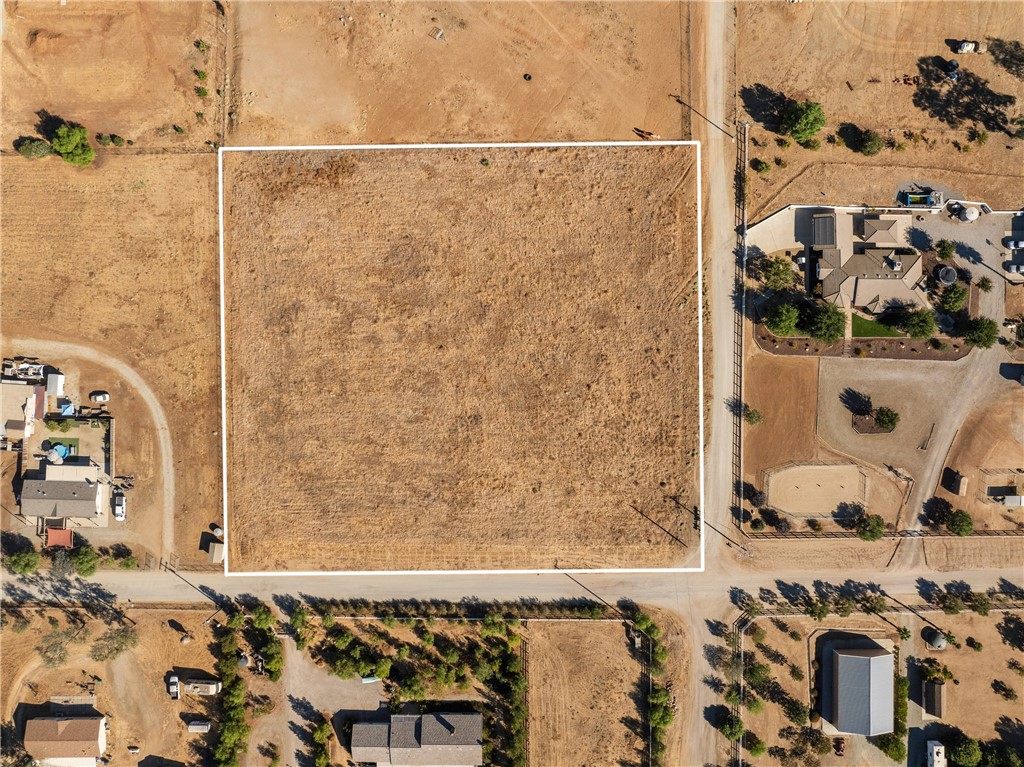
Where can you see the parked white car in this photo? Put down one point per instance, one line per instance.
(99, 396)
(173, 689)
(1015, 244)
(120, 505)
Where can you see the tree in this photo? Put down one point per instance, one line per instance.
(796, 711)
(732, 727)
(776, 273)
(34, 148)
(964, 751)
(817, 609)
(904, 633)
(945, 249)
(802, 120)
(782, 319)
(871, 143)
(985, 285)
(61, 567)
(892, 746)
(756, 746)
(960, 523)
(72, 144)
(85, 560)
(828, 324)
(870, 527)
(262, 618)
(982, 332)
(920, 323)
(953, 298)
(760, 166)
(752, 416)
(887, 418)
(22, 562)
(979, 601)
(113, 642)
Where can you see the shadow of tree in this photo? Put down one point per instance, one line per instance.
(935, 512)
(765, 105)
(1008, 54)
(856, 402)
(968, 100)
(919, 238)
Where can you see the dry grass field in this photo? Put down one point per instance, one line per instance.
(782, 50)
(376, 75)
(123, 259)
(568, 708)
(115, 67)
(435, 363)
(133, 694)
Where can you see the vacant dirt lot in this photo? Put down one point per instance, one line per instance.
(124, 68)
(988, 447)
(568, 708)
(376, 75)
(133, 694)
(867, 46)
(123, 259)
(415, 384)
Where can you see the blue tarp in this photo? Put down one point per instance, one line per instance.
(62, 450)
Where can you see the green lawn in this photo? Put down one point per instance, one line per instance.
(863, 328)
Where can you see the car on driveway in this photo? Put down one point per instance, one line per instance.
(120, 505)
(99, 396)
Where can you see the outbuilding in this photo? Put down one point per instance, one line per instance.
(862, 691)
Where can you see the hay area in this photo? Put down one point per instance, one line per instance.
(436, 362)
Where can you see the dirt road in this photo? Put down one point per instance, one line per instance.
(58, 349)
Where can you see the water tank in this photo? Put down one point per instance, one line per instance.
(218, 531)
(935, 639)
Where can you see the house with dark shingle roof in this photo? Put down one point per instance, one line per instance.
(430, 740)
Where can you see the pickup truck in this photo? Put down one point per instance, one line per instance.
(173, 688)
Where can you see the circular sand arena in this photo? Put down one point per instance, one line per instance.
(816, 488)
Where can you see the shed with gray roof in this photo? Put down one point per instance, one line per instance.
(862, 691)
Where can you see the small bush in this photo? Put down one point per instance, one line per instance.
(200, 74)
(752, 416)
(201, 46)
(103, 139)
(757, 524)
(871, 143)
(22, 562)
(201, 92)
(760, 166)
(813, 144)
(34, 148)
(117, 140)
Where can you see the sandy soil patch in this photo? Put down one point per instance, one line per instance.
(974, 705)
(868, 45)
(142, 290)
(124, 68)
(375, 73)
(416, 384)
(987, 450)
(807, 488)
(584, 695)
(133, 695)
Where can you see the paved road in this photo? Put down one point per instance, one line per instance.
(58, 349)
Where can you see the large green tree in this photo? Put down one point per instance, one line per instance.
(953, 298)
(960, 523)
(982, 332)
(71, 142)
(782, 319)
(964, 751)
(870, 527)
(919, 323)
(828, 324)
(803, 119)
(34, 148)
(777, 273)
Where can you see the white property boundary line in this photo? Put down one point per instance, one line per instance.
(511, 145)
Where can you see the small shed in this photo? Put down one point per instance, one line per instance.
(55, 385)
(960, 484)
(215, 553)
(934, 698)
(199, 725)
